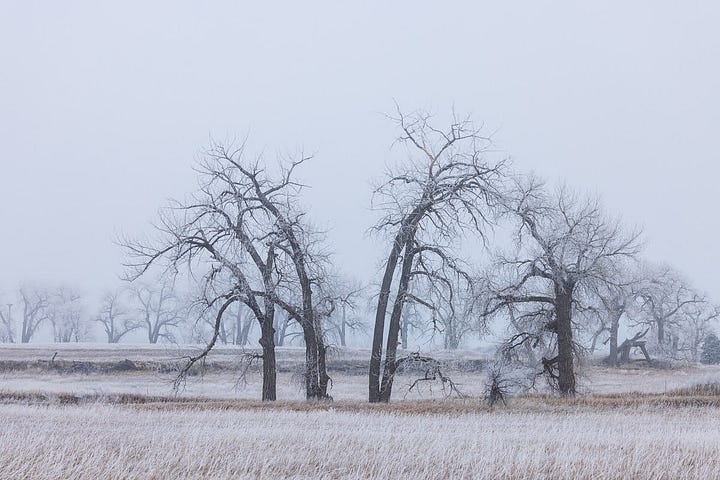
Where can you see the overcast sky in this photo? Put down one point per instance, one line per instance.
(104, 106)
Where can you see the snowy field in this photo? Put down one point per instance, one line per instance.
(58, 424)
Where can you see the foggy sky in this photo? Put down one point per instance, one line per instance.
(104, 106)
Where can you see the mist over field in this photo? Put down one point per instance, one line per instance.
(322, 240)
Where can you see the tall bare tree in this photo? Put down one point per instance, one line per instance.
(665, 295)
(7, 323)
(66, 316)
(35, 304)
(115, 316)
(344, 295)
(565, 247)
(610, 302)
(701, 317)
(246, 230)
(444, 188)
(159, 309)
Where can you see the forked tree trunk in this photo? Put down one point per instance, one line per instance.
(660, 331)
(565, 358)
(380, 312)
(394, 328)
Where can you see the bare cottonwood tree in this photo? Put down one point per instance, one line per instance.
(159, 309)
(115, 315)
(35, 305)
(456, 316)
(665, 296)
(701, 318)
(65, 313)
(7, 323)
(244, 230)
(609, 302)
(444, 188)
(565, 247)
(344, 295)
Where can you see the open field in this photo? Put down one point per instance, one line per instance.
(80, 419)
(155, 441)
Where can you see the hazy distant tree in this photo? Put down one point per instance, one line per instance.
(35, 305)
(66, 316)
(565, 247)
(115, 315)
(710, 350)
(609, 302)
(7, 324)
(666, 295)
(698, 320)
(456, 316)
(412, 319)
(345, 296)
(287, 331)
(243, 326)
(235, 327)
(159, 308)
(443, 188)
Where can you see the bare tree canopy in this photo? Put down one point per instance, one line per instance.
(67, 317)
(115, 315)
(159, 308)
(565, 246)
(245, 233)
(445, 187)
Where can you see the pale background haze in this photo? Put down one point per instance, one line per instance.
(104, 106)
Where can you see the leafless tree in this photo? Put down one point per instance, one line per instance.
(35, 305)
(700, 319)
(610, 302)
(159, 309)
(243, 325)
(7, 324)
(65, 312)
(565, 247)
(115, 316)
(411, 319)
(457, 316)
(344, 294)
(666, 294)
(246, 231)
(444, 188)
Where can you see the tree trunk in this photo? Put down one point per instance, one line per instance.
(312, 372)
(380, 312)
(614, 325)
(404, 333)
(244, 332)
(394, 328)
(322, 369)
(343, 327)
(269, 387)
(565, 358)
(452, 342)
(660, 331)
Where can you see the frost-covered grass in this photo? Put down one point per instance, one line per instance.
(527, 440)
(630, 423)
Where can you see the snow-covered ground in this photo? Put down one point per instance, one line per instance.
(349, 380)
